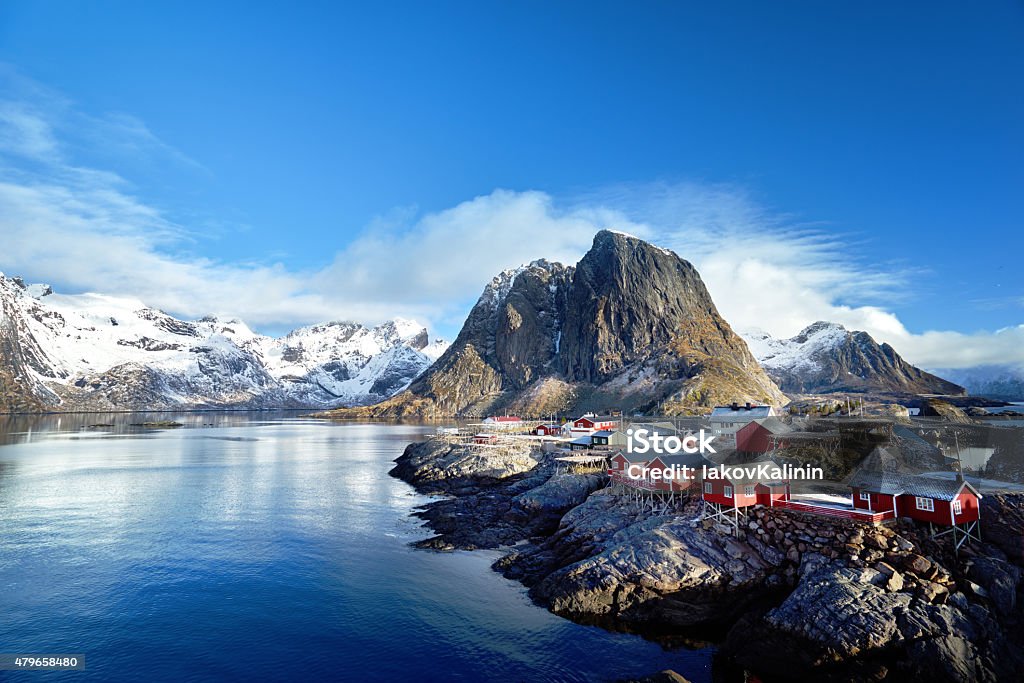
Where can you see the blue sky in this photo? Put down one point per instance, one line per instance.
(241, 157)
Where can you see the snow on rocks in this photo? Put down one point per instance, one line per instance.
(93, 351)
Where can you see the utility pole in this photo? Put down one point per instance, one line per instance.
(959, 463)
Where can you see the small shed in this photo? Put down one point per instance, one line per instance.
(620, 462)
(547, 430)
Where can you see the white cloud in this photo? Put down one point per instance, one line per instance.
(24, 133)
(766, 271)
(85, 228)
(443, 257)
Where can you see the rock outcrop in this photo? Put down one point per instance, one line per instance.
(631, 325)
(435, 466)
(842, 620)
(934, 407)
(798, 597)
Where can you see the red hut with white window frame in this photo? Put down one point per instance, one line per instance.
(589, 424)
(954, 504)
(728, 492)
(547, 430)
(620, 462)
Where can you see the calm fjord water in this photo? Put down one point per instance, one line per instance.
(260, 549)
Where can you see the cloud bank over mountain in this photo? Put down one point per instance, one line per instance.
(90, 229)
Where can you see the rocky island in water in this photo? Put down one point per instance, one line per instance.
(791, 596)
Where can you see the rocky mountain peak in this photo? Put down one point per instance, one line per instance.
(630, 319)
(826, 357)
(817, 328)
(629, 299)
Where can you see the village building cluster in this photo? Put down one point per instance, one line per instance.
(758, 435)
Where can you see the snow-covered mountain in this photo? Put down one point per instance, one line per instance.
(826, 357)
(96, 352)
(1005, 382)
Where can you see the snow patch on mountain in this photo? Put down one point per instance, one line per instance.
(826, 357)
(1004, 382)
(799, 352)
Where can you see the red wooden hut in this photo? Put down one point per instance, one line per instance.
(729, 490)
(694, 462)
(619, 463)
(756, 437)
(547, 430)
(595, 423)
(952, 503)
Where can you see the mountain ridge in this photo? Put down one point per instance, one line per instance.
(1002, 382)
(93, 352)
(825, 357)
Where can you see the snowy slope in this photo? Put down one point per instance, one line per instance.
(95, 352)
(1005, 382)
(826, 357)
(805, 351)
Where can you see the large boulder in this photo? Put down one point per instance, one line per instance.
(935, 407)
(675, 573)
(435, 465)
(843, 623)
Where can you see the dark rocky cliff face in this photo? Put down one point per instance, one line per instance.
(628, 300)
(509, 340)
(630, 326)
(632, 303)
(18, 352)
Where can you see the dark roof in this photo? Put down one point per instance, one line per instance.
(896, 484)
(887, 483)
(751, 413)
(632, 457)
(750, 471)
(941, 489)
(656, 428)
(774, 425)
(693, 460)
(603, 432)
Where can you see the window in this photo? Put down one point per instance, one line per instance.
(957, 507)
(926, 504)
(728, 492)
(707, 487)
(864, 495)
(748, 490)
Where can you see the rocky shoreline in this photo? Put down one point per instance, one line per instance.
(794, 597)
